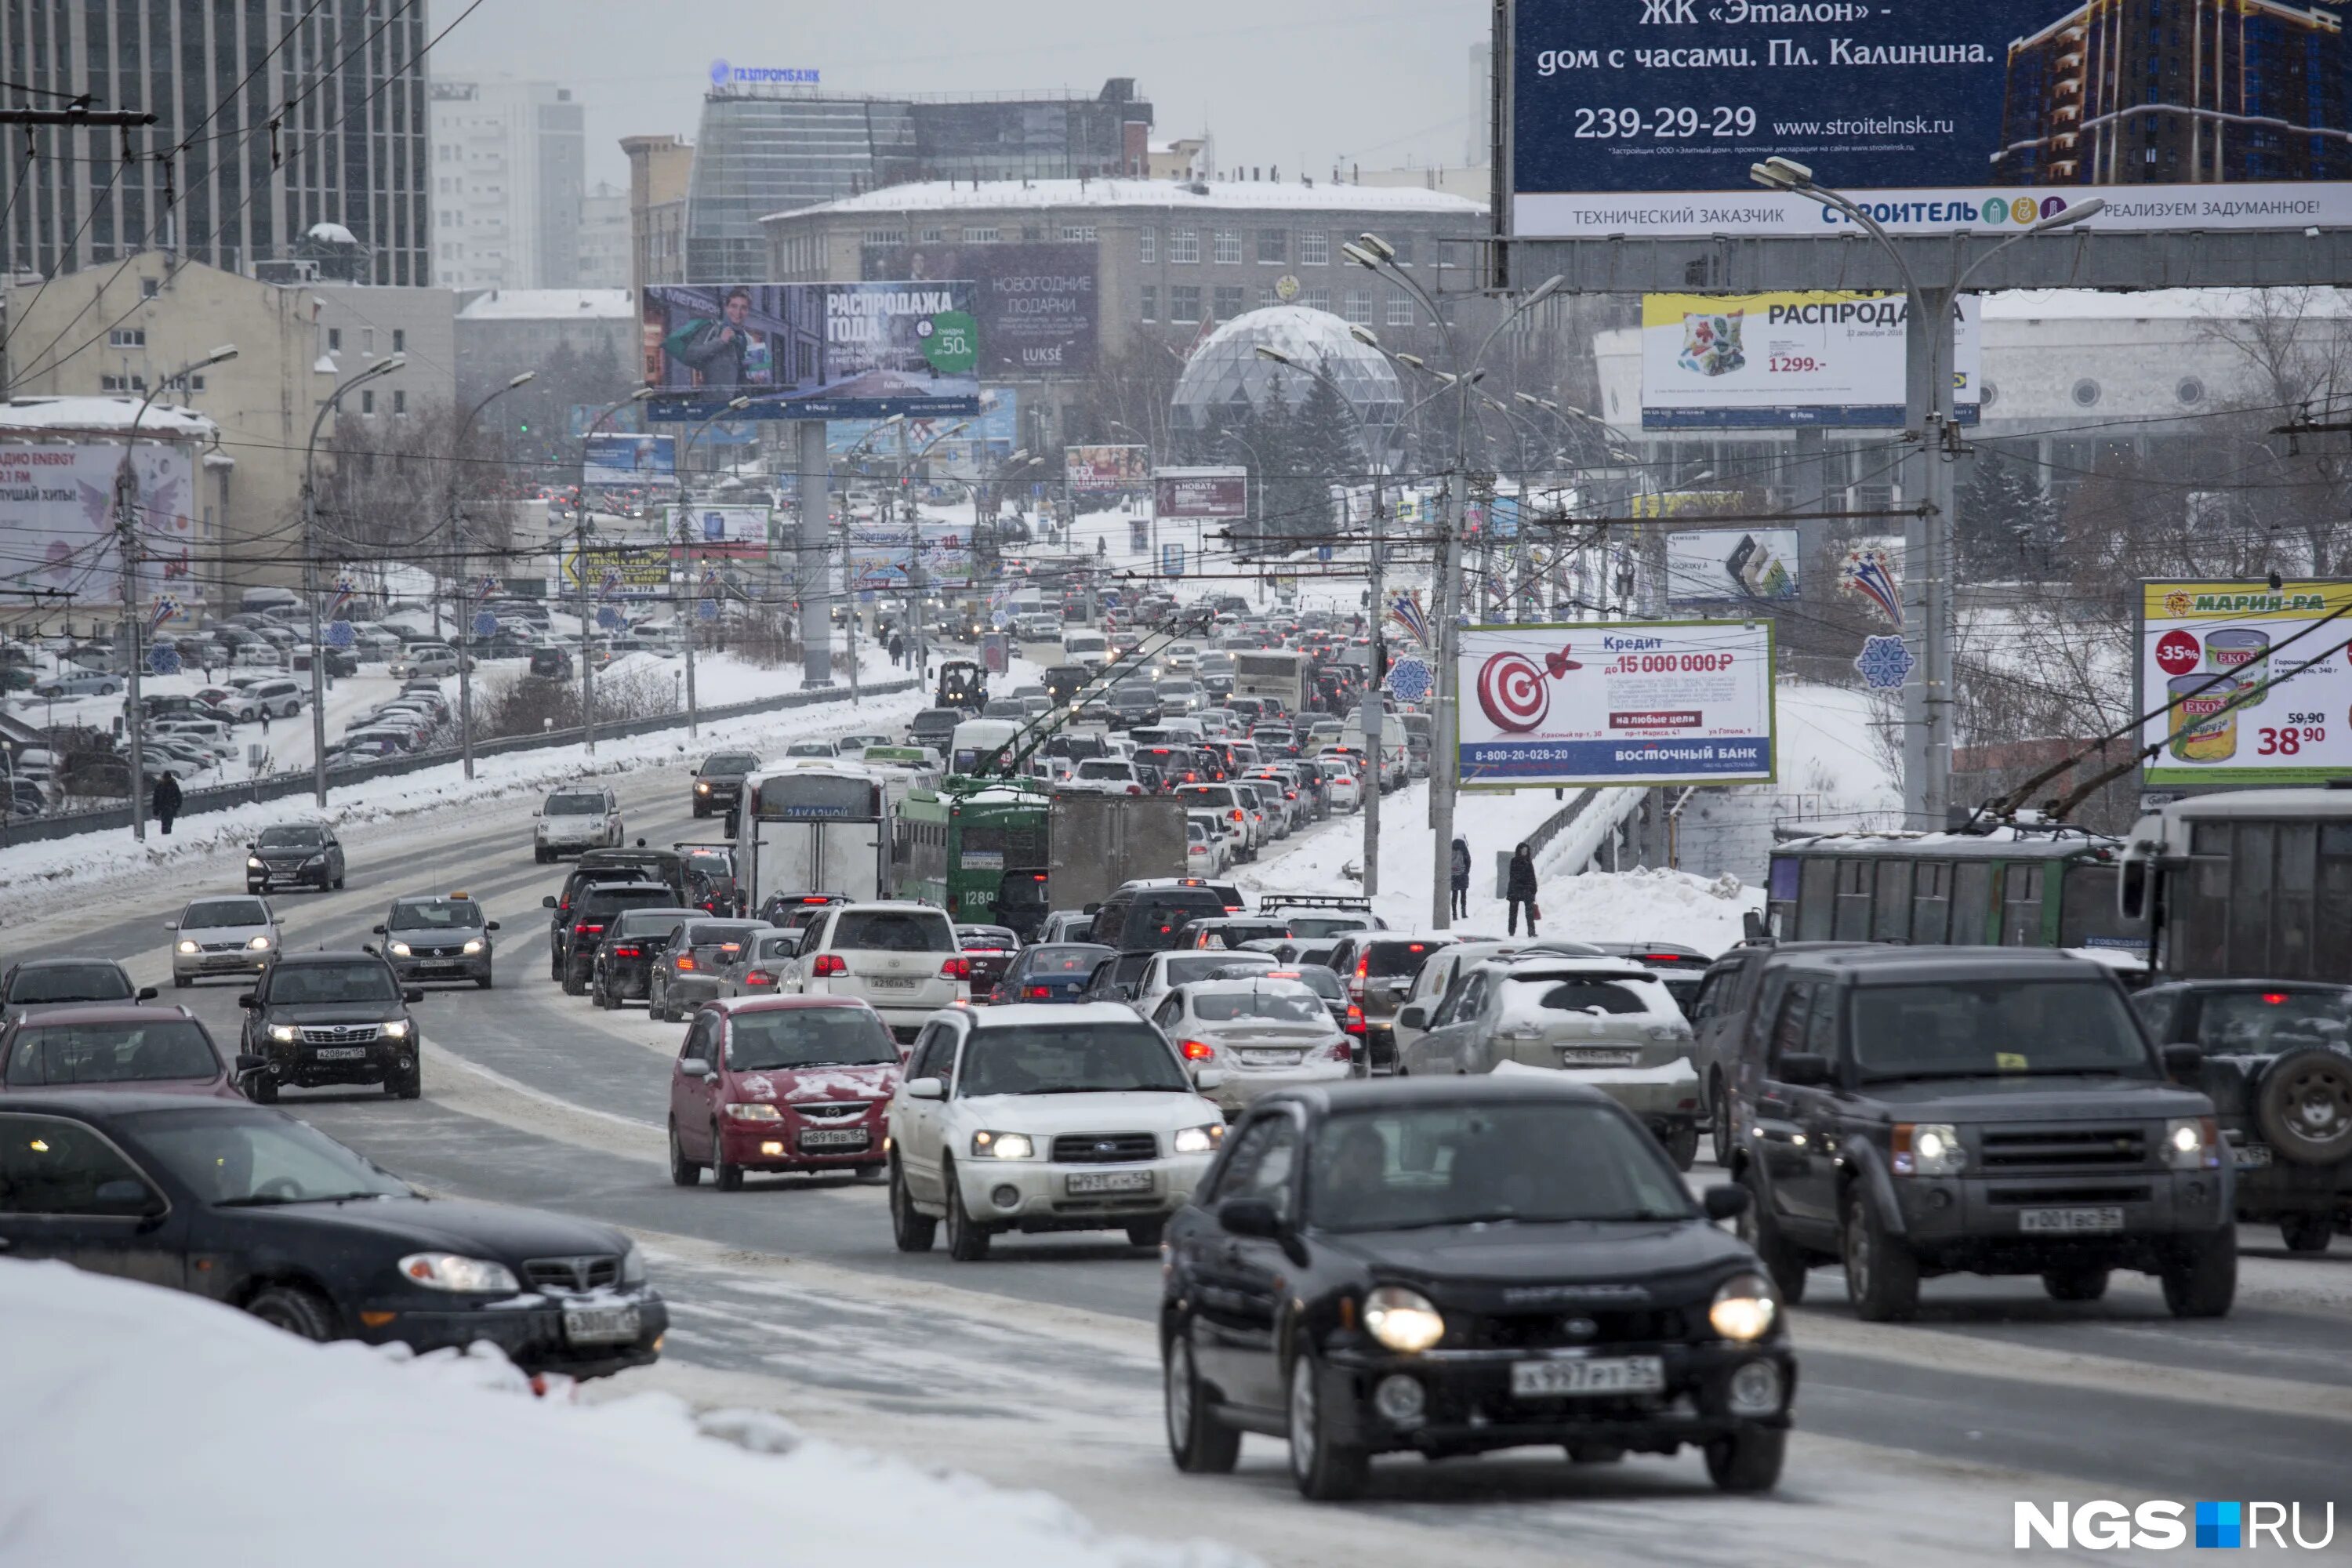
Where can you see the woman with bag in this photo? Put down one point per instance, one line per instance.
(1521, 887)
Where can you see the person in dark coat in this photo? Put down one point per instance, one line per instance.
(1461, 877)
(1521, 887)
(897, 650)
(165, 802)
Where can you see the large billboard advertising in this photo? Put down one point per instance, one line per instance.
(878, 552)
(2238, 706)
(1610, 702)
(811, 350)
(1207, 494)
(1730, 568)
(620, 460)
(1036, 302)
(735, 530)
(59, 524)
(1764, 361)
(618, 570)
(998, 422)
(1100, 468)
(1642, 117)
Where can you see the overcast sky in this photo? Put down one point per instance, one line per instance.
(1293, 84)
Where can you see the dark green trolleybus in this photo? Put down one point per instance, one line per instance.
(2011, 886)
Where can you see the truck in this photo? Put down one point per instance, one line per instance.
(1095, 842)
(1286, 677)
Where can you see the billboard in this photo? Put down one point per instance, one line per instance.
(878, 552)
(625, 460)
(811, 350)
(998, 423)
(1615, 703)
(1097, 469)
(1765, 361)
(579, 416)
(58, 519)
(1640, 117)
(2237, 707)
(736, 531)
(1715, 568)
(618, 570)
(1209, 494)
(1036, 302)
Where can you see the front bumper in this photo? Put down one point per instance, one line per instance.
(320, 876)
(1976, 1222)
(1034, 1195)
(419, 970)
(780, 1146)
(530, 1328)
(238, 961)
(379, 1060)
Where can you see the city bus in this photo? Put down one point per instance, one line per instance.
(818, 828)
(2245, 884)
(2009, 886)
(978, 853)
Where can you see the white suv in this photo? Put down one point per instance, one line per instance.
(577, 817)
(1244, 820)
(902, 959)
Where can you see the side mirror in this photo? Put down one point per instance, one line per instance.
(1751, 924)
(1249, 1216)
(247, 1062)
(548, 902)
(1090, 909)
(926, 1088)
(1412, 1016)
(1804, 1069)
(412, 995)
(171, 925)
(146, 994)
(1209, 1078)
(2184, 1063)
(1728, 1201)
(250, 1001)
(492, 925)
(127, 1197)
(378, 930)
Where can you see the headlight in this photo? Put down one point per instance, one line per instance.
(473, 946)
(398, 949)
(1745, 1307)
(633, 1267)
(1003, 1146)
(187, 946)
(450, 1271)
(1201, 1140)
(1928, 1148)
(284, 1034)
(1402, 1319)
(702, 789)
(260, 945)
(744, 1113)
(2192, 1144)
(253, 863)
(316, 860)
(396, 1029)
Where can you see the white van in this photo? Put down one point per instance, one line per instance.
(975, 739)
(1088, 648)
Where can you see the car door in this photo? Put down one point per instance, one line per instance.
(693, 1092)
(915, 1123)
(1238, 1304)
(1774, 1108)
(1809, 1194)
(1452, 1044)
(69, 1193)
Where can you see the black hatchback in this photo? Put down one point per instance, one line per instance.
(1454, 1266)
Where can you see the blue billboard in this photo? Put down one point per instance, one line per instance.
(811, 350)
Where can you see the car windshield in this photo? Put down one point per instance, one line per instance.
(2266, 1021)
(1550, 993)
(988, 939)
(250, 1160)
(1535, 1163)
(292, 838)
(1325, 925)
(575, 805)
(603, 903)
(1275, 1006)
(648, 922)
(1968, 1028)
(891, 930)
(1065, 959)
(731, 762)
(1181, 968)
(1069, 1058)
(152, 1049)
(711, 862)
(71, 983)
(768, 1041)
(296, 985)
(436, 914)
(215, 914)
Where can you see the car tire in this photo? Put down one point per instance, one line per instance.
(653, 1008)
(1147, 1233)
(180, 983)
(339, 881)
(1681, 1145)
(262, 1089)
(1783, 1259)
(1882, 1277)
(296, 1309)
(726, 1177)
(483, 982)
(1322, 1469)
(409, 1087)
(683, 1172)
(912, 1231)
(2076, 1284)
(1198, 1443)
(967, 1238)
(2201, 1281)
(2307, 1232)
(1748, 1460)
(574, 987)
(540, 856)
(1719, 1107)
(2303, 1107)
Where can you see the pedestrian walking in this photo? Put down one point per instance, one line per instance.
(165, 802)
(897, 651)
(1461, 877)
(1519, 887)
(265, 718)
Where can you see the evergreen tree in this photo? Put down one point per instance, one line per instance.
(2006, 528)
(1327, 450)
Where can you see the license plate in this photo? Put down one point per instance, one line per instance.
(2070, 1219)
(1109, 1182)
(2250, 1156)
(836, 1138)
(340, 1053)
(893, 982)
(602, 1325)
(1596, 1057)
(1269, 1058)
(1610, 1375)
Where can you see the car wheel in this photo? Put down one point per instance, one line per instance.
(409, 1087)
(967, 1238)
(726, 1177)
(1198, 1443)
(483, 981)
(540, 856)
(683, 1172)
(574, 985)
(2307, 1232)
(2202, 1280)
(1747, 1461)
(701, 811)
(1323, 1470)
(912, 1231)
(1682, 1144)
(657, 1004)
(1785, 1262)
(296, 1309)
(2080, 1283)
(180, 983)
(1719, 1134)
(339, 881)
(1881, 1277)
(262, 1088)
(1147, 1233)
(2303, 1107)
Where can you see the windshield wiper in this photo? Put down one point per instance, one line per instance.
(273, 1200)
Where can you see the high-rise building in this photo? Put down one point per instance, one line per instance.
(660, 169)
(604, 236)
(509, 161)
(267, 125)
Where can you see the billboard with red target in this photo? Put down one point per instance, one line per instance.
(1615, 703)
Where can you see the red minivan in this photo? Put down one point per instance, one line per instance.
(779, 1083)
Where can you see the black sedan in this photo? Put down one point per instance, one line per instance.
(1453, 1265)
(298, 854)
(991, 951)
(262, 1212)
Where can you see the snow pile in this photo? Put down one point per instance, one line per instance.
(252, 1449)
(1649, 906)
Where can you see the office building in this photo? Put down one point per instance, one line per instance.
(604, 236)
(508, 176)
(660, 169)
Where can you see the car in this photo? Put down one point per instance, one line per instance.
(295, 855)
(1989, 1110)
(901, 957)
(1601, 1016)
(1048, 973)
(83, 684)
(1722, 1016)
(1242, 815)
(781, 1083)
(1223, 932)
(810, 749)
(586, 909)
(687, 969)
(55, 982)
(327, 1017)
(1169, 969)
(797, 911)
(1044, 1119)
(222, 936)
(1112, 775)
(856, 746)
(1378, 967)
(1063, 926)
(1147, 914)
(279, 697)
(620, 967)
(1454, 1266)
(111, 1047)
(550, 663)
(1205, 854)
(1261, 1034)
(935, 728)
(755, 970)
(1340, 783)
(257, 1211)
(990, 949)
(1134, 702)
(2277, 1064)
(1680, 969)
(577, 817)
(431, 938)
(424, 660)
(1115, 978)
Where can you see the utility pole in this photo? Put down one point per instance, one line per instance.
(587, 631)
(815, 554)
(126, 525)
(1928, 609)
(1442, 782)
(317, 641)
(1372, 715)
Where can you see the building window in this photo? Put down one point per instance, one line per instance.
(149, 288)
(400, 403)
(1266, 298)
(127, 338)
(935, 236)
(334, 340)
(1317, 299)
(1229, 300)
(1083, 234)
(1274, 246)
(367, 402)
(1228, 246)
(1032, 234)
(1403, 244)
(1399, 309)
(399, 341)
(1150, 302)
(1314, 249)
(1146, 246)
(1184, 302)
(1358, 307)
(886, 236)
(1183, 246)
(367, 339)
(980, 235)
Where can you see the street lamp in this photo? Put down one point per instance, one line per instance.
(465, 576)
(382, 367)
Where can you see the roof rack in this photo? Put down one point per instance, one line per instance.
(1355, 902)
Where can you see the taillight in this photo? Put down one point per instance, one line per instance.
(1237, 817)
(1355, 1021)
(685, 960)
(587, 930)
(956, 969)
(1198, 1051)
(1041, 991)
(828, 963)
(758, 977)
(628, 952)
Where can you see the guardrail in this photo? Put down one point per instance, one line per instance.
(280, 786)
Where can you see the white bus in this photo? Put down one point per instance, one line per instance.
(813, 829)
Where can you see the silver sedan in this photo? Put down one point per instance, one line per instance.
(222, 936)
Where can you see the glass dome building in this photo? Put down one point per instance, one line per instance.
(1228, 373)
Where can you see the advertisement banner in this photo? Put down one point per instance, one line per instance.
(1615, 703)
(878, 552)
(2239, 708)
(580, 415)
(1769, 360)
(618, 570)
(812, 351)
(1099, 468)
(1036, 302)
(1209, 494)
(58, 519)
(733, 530)
(1714, 568)
(1642, 116)
(621, 461)
(997, 427)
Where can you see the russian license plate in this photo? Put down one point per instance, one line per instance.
(836, 1138)
(893, 982)
(1597, 1057)
(340, 1053)
(602, 1325)
(2247, 1156)
(2069, 1220)
(1269, 1058)
(1607, 1374)
(1082, 1182)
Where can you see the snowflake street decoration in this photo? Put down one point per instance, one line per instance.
(1886, 663)
(163, 661)
(1409, 679)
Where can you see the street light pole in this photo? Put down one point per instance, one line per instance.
(464, 577)
(310, 572)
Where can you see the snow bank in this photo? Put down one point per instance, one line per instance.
(1649, 906)
(161, 1428)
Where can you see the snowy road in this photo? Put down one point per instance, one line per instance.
(1038, 1367)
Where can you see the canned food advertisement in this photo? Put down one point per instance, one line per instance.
(2233, 694)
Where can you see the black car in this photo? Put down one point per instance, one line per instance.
(719, 781)
(1452, 1266)
(710, 882)
(319, 1018)
(1680, 969)
(1117, 977)
(438, 939)
(1134, 702)
(621, 960)
(551, 663)
(990, 950)
(797, 911)
(2276, 1066)
(261, 1212)
(592, 917)
(62, 982)
(935, 728)
(297, 855)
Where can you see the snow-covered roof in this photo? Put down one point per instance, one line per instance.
(103, 413)
(2152, 304)
(551, 304)
(331, 234)
(1263, 196)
